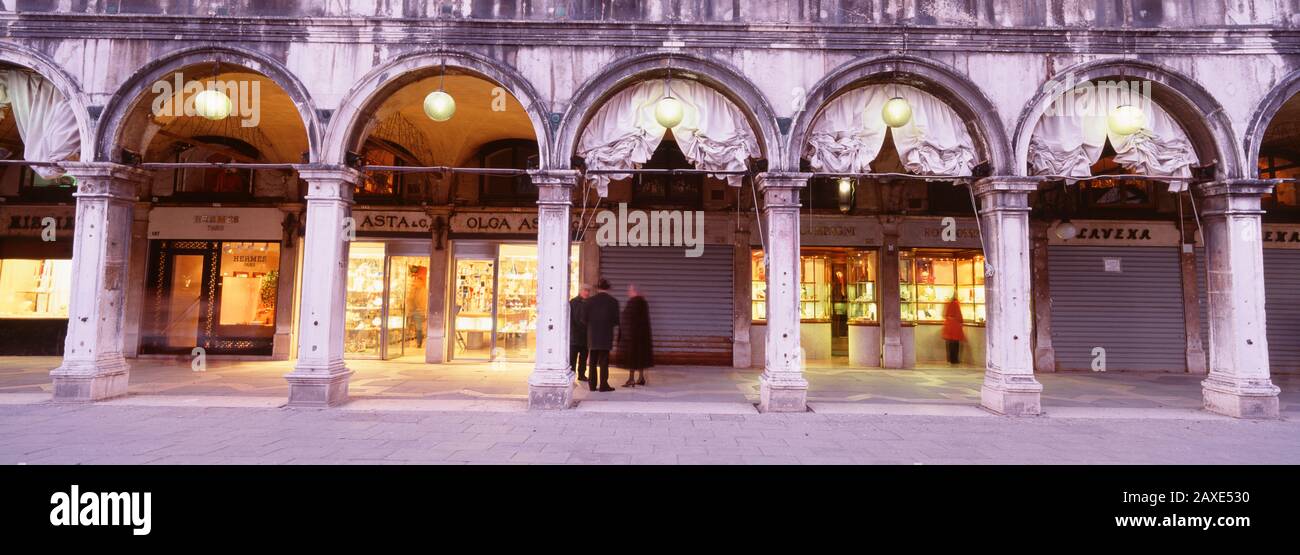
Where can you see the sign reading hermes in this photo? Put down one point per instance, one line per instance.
(232, 224)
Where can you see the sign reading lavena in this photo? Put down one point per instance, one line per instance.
(1280, 236)
(1098, 233)
(216, 222)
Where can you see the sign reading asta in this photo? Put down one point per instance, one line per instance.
(30, 221)
(393, 221)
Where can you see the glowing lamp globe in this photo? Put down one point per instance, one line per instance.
(439, 106)
(846, 186)
(214, 105)
(669, 112)
(897, 112)
(1126, 120)
(1066, 231)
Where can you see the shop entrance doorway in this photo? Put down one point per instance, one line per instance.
(387, 300)
(218, 295)
(494, 300)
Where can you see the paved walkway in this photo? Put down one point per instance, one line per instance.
(483, 382)
(124, 434)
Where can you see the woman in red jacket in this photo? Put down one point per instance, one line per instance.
(953, 334)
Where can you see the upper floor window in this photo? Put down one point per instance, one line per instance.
(214, 182)
(1111, 193)
(1274, 166)
(664, 190)
(33, 186)
(508, 190)
(390, 185)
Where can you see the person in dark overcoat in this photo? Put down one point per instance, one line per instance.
(578, 332)
(634, 338)
(602, 317)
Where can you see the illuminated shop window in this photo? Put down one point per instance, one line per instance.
(814, 288)
(1284, 195)
(35, 288)
(929, 280)
(861, 288)
(249, 283)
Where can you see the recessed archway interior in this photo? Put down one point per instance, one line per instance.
(692, 190)
(176, 121)
(1279, 156)
(899, 195)
(489, 129)
(50, 122)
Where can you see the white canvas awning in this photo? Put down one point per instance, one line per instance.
(1069, 139)
(45, 122)
(850, 131)
(713, 135)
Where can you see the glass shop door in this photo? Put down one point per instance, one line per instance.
(474, 308)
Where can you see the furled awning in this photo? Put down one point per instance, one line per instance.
(1069, 139)
(45, 122)
(713, 134)
(850, 132)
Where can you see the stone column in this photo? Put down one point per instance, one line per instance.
(1191, 310)
(550, 386)
(782, 386)
(1238, 384)
(93, 366)
(320, 378)
(743, 315)
(135, 301)
(1009, 385)
(891, 309)
(1044, 352)
(440, 268)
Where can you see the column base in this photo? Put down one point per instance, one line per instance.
(84, 382)
(551, 390)
(1247, 399)
(782, 394)
(318, 387)
(1011, 394)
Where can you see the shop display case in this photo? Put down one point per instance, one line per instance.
(928, 281)
(363, 320)
(758, 286)
(814, 288)
(861, 288)
(516, 299)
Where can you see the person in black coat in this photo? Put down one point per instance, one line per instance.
(578, 332)
(634, 337)
(601, 312)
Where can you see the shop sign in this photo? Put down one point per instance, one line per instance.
(940, 232)
(494, 222)
(1281, 236)
(216, 223)
(838, 232)
(30, 221)
(393, 221)
(1120, 234)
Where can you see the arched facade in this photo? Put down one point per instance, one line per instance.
(953, 88)
(726, 80)
(64, 82)
(117, 111)
(346, 127)
(1207, 126)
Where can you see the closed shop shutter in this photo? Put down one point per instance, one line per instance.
(690, 299)
(1135, 314)
(1281, 306)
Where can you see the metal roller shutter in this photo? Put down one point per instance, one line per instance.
(1135, 314)
(690, 299)
(1281, 305)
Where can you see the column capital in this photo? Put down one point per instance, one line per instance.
(329, 182)
(554, 178)
(107, 180)
(782, 180)
(1005, 184)
(1237, 187)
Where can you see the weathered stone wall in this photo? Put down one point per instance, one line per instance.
(994, 13)
(1232, 53)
